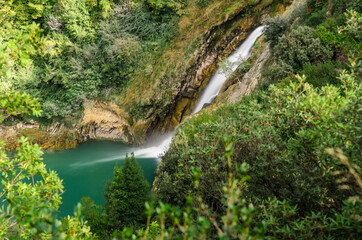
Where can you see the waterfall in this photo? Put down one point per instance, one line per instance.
(215, 83)
(210, 92)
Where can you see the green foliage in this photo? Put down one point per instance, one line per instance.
(145, 26)
(14, 103)
(282, 222)
(353, 23)
(197, 219)
(94, 215)
(283, 136)
(321, 74)
(279, 71)
(75, 16)
(30, 193)
(294, 50)
(22, 11)
(311, 51)
(346, 36)
(18, 45)
(356, 5)
(275, 28)
(27, 204)
(328, 34)
(316, 17)
(77, 50)
(301, 46)
(165, 6)
(126, 195)
(352, 31)
(202, 3)
(99, 8)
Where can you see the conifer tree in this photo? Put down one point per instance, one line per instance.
(126, 195)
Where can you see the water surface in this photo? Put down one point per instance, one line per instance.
(86, 169)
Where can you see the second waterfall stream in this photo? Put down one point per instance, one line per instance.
(210, 92)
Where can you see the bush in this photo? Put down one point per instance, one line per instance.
(328, 33)
(321, 74)
(278, 71)
(75, 17)
(275, 28)
(165, 6)
(300, 46)
(283, 136)
(316, 17)
(143, 24)
(95, 216)
(202, 3)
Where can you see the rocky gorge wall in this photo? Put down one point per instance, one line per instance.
(110, 121)
(218, 42)
(99, 121)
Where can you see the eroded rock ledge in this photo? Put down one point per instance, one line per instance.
(100, 121)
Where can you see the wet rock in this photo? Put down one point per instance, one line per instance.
(249, 80)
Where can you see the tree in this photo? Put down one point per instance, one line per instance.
(126, 195)
(29, 193)
(94, 214)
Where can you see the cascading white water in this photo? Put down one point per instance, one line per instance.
(215, 83)
(212, 89)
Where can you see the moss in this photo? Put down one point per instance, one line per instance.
(140, 131)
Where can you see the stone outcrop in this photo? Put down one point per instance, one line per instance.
(249, 81)
(105, 121)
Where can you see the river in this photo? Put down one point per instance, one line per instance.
(86, 169)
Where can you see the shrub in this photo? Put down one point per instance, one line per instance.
(282, 136)
(165, 6)
(328, 33)
(301, 46)
(275, 28)
(75, 16)
(316, 17)
(31, 192)
(321, 74)
(278, 71)
(95, 216)
(197, 219)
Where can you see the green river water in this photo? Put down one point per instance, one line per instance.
(86, 169)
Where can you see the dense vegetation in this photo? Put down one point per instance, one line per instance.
(289, 133)
(63, 52)
(314, 42)
(125, 199)
(283, 163)
(30, 194)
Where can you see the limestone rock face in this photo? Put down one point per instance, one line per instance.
(104, 121)
(12, 131)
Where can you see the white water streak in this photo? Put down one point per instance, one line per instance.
(210, 92)
(214, 85)
(161, 145)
